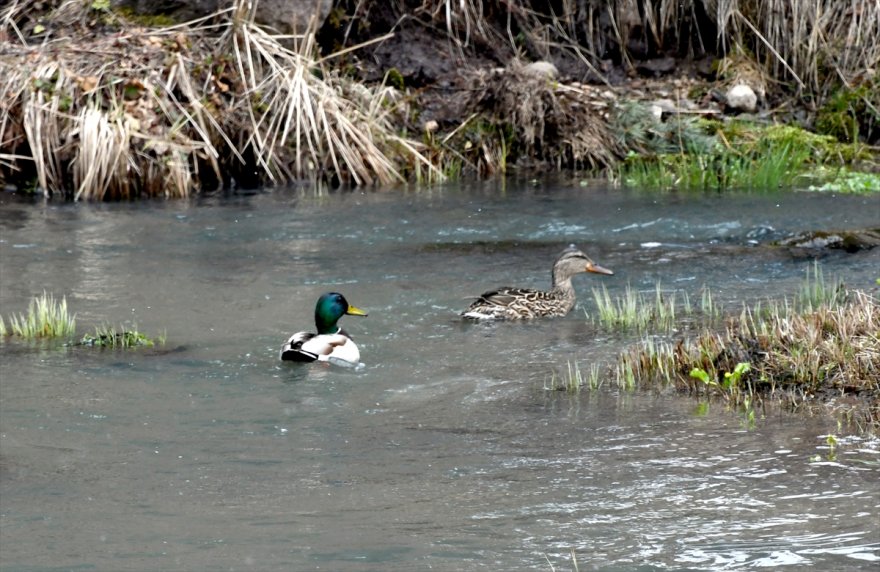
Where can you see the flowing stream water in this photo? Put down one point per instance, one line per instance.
(448, 450)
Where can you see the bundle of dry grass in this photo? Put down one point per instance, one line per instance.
(828, 350)
(562, 125)
(810, 42)
(302, 118)
(165, 112)
(98, 119)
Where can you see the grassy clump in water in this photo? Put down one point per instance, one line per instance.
(635, 312)
(48, 318)
(824, 347)
(109, 337)
(816, 292)
(571, 379)
(45, 318)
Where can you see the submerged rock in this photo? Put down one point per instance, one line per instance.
(848, 241)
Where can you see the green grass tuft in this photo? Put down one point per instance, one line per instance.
(815, 291)
(571, 379)
(109, 337)
(777, 166)
(45, 318)
(638, 312)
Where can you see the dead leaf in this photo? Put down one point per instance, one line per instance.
(88, 83)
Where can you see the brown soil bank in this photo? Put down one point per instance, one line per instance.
(101, 100)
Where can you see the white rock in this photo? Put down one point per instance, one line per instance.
(541, 69)
(661, 106)
(742, 97)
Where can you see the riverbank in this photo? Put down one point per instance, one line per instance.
(102, 103)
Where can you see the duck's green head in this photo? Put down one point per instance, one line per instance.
(330, 308)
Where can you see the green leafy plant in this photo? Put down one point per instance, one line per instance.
(731, 388)
(732, 378)
(703, 375)
(850, 182)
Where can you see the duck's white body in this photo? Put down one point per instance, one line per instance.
(308, 346)
(329, 343)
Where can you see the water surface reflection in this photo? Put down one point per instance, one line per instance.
(445, 451)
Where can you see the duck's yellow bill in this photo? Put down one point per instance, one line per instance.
(598, 269)
(352, 311)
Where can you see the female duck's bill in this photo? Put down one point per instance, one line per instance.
(330, 343)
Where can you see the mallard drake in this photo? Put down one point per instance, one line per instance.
(330, 343)
(509, 303)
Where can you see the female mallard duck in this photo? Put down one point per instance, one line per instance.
(523, 303)
(331, 343)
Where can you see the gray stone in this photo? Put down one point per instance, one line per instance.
(742, 98)
(849, 240)
(541, 69)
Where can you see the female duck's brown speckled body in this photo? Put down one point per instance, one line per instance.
(509, 303)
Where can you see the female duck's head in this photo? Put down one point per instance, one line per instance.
(573, 261)
(330, 308)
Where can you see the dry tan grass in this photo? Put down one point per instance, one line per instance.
(88, 116)
(813, 43)
(560, 125)
(828, 349)
(806, 41)
(334, 126)
(165, 112)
